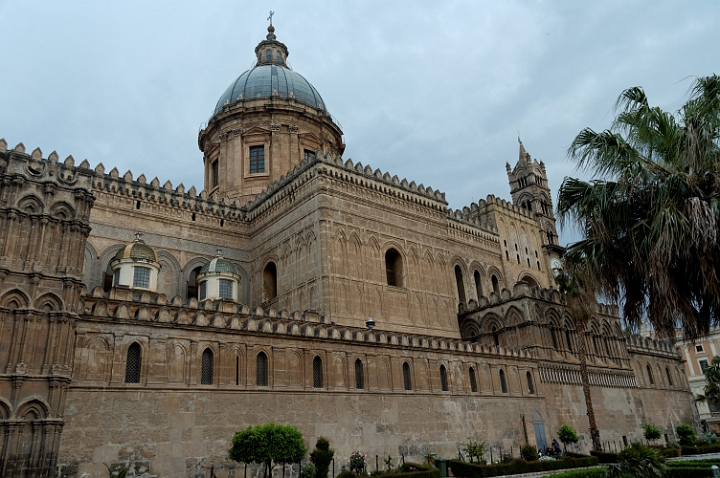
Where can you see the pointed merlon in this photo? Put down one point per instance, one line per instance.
(20, 148)
(37, 153)
(3, 145)
(53, 157)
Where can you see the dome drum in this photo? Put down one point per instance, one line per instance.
(218, 279)
(136, 266)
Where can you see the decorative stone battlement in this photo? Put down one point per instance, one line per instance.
(570, 375)
(483, 205)
(149, 308)
(645, 345)
(472, 225)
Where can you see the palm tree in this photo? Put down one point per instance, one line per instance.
(651, 219)
(578, 294)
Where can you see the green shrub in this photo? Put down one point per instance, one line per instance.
(469, 470)
(567, 434)
(322, 457)
(651, 433)
(589, 473)
(308, 471)
(688, 472)
(475, 449)
(347, 474)
(700, 450)
(574, 455)
(529, 453)
(410, 467)
(413, 470)
(638, 461)
(605, 457)
(686, 434)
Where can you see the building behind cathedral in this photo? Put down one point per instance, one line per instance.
(143, 323)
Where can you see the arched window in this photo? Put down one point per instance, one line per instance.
(261, 370)
(495, 284)
(460, 284)
(359, 375)
(531, 387)
(207, 367)
(669, 377)
(478, 284)
(317, 372)
(406, 376)
(269, 282)
(132, 364)
(268, 55)
(503, 383)
(278, 57)
(443, 378)
(553, 337)
(650, 375)
(473, 380)
(394, 268)
(567, 339)
(496, 338)
(192, 283)
(109, 278)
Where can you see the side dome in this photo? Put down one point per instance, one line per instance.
(137, 250)
(271, 81)
(219, 265)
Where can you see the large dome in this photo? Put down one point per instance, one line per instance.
(264, 80)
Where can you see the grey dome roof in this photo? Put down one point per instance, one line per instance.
(218, 265)
(262, 80)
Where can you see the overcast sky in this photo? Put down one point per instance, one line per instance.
(432, 91)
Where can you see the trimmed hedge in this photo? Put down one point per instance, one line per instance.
(605, 457)
(700, 450)
(434, 473)
(471, 470)
(586, 473)
(688, 472)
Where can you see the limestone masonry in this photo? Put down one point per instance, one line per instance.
(142, 324)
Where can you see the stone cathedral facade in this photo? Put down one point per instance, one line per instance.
(142, 323)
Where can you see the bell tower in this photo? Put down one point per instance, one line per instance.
(530, 190)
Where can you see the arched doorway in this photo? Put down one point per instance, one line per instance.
(539, 428)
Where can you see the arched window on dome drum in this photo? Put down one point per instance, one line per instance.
(116, 278)
(203, 290)
(407, 382)
(192, 283)
(214, 174)
(278, 57)
(503, 383)
(133, 363)
(261, 370)
(495, 284)
(206, 377)
(359, 375)
(460, 284)
(226, 289)
(269, 282)
(473, 380)
(317, 372)
(394, 268)
(650, 375)
(531, 386)
(443, 378)
(268, 55)
(478, 284)
(669, 377)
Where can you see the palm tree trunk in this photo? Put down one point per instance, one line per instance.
(594, 432)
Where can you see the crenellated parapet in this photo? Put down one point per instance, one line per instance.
(638, 344)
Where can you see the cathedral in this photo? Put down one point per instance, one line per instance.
(142, 323)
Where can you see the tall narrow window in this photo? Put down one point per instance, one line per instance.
(261, 370)
(495, 284)
(496, 337)
(269, 282)
(478, 284)
(553, 337)
(460, 284)
(650, 375)
(503, 383)
(359, 375)
(257, 159)
(132, 364)
(667, 372)
(443, 378)
(141, 277)
(406, 376)
(394, 268)
(214, 174)
(567, 339)
(268, 55)
(192, 283)
(116, 277)
(226, 289)
(203, 290)
(237, 370)
(108, 278)
(531, 386)
(317, 372)
(206, 377)
(473, 380)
